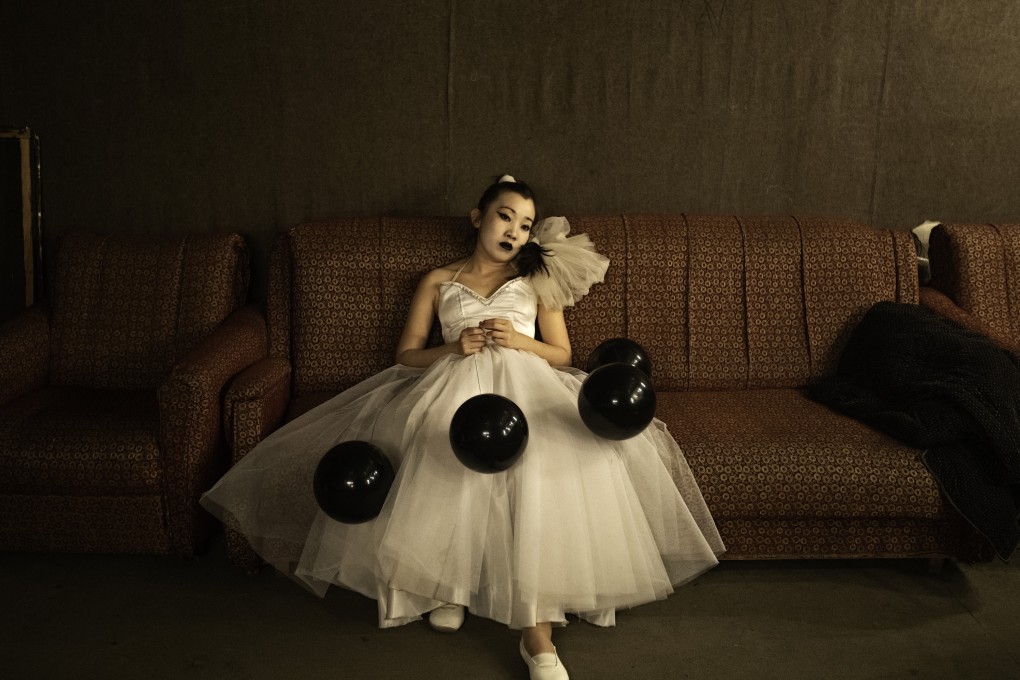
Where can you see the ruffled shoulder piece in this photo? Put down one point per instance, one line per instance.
(571, 264)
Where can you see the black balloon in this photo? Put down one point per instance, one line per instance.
(488, 433)
(351, 481)
(616, 401)
(623, 351)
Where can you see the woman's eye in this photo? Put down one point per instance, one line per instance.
(525, 227)
(504, 217)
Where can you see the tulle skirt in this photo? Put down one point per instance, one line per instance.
(578, 524)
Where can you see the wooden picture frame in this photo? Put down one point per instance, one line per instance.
(21, 248)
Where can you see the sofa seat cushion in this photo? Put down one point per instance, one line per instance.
(775, 454)
(81, 442)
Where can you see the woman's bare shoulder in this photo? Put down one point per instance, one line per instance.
(444, 272)
(437, 276)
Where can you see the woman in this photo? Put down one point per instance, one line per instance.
(578, 525)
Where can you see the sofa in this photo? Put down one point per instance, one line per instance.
(111, 390)
(739, 315)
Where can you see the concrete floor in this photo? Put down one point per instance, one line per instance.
(110, 617)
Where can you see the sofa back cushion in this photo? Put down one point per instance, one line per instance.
(719, 302)
(126, 307)
(755, 302)
(978, 266)
(349, 291)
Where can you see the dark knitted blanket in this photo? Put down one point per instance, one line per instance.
(937, 386)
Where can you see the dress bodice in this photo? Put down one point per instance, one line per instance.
(460, 307)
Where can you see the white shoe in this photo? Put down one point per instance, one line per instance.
(447, 618)
(545, 666)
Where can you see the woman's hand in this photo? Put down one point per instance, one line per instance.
(471, 341)
(502, 333)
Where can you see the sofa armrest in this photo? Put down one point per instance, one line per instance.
(189, 415)
(255, 404)
(973, 264)
(941, 303)
(25, 347)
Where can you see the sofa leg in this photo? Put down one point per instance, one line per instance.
(935, 565)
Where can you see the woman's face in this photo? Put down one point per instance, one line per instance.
(505, 225)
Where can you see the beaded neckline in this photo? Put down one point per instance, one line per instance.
(478, 296)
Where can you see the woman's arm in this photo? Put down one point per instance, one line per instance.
(554, 346)
(411, 347)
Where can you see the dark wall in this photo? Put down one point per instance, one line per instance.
(209, 115)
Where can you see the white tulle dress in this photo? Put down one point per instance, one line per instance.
(578, 525)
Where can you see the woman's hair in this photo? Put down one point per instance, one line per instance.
(505, 183)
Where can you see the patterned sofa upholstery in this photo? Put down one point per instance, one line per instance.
(739, 315)
(976, 278)
(110, 397)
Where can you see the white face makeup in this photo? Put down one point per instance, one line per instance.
(505, 226)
